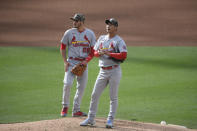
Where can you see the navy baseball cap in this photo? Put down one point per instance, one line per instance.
(112, 21)
(78, 17)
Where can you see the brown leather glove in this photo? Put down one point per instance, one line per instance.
(78, 69)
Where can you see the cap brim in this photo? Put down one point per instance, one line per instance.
(73, 19)
(107, 21)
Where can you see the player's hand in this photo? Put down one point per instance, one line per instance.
(84, 62)
(106, 52)
(100, 52)
(66, 65)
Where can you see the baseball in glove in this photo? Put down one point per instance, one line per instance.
(78, 69)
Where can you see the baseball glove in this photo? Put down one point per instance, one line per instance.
(78, 69)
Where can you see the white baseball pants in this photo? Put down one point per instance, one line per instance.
(81, 85)
(105, 77)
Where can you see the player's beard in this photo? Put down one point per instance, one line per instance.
(77, 25)
(74, 26)
(108, 30)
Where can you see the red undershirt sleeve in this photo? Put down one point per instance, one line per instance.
(91, 55)
(120, 56)
(96, 54)
(63, 46)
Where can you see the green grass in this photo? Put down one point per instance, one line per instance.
(158, 83)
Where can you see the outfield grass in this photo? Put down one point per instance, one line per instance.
(158, 83)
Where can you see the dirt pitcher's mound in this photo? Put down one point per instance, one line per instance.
(72, 124)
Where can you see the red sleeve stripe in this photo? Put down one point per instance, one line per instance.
(63, 46)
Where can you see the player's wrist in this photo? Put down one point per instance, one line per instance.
(65, 62)
(108, 53)
(85, 62)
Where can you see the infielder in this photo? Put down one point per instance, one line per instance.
(80, 42)
(108, 47)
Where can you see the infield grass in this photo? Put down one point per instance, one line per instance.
(158, 83)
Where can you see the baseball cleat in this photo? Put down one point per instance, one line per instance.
(109, 124)
(87, 122)
(64, 111)
(78, 114)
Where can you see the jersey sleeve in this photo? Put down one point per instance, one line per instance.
(65, 38)
(122, 46)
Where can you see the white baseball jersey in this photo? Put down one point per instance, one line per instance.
(78, 43)
(114, 44)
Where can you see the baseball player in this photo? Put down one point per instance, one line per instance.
(111, 50)
(79, 41)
